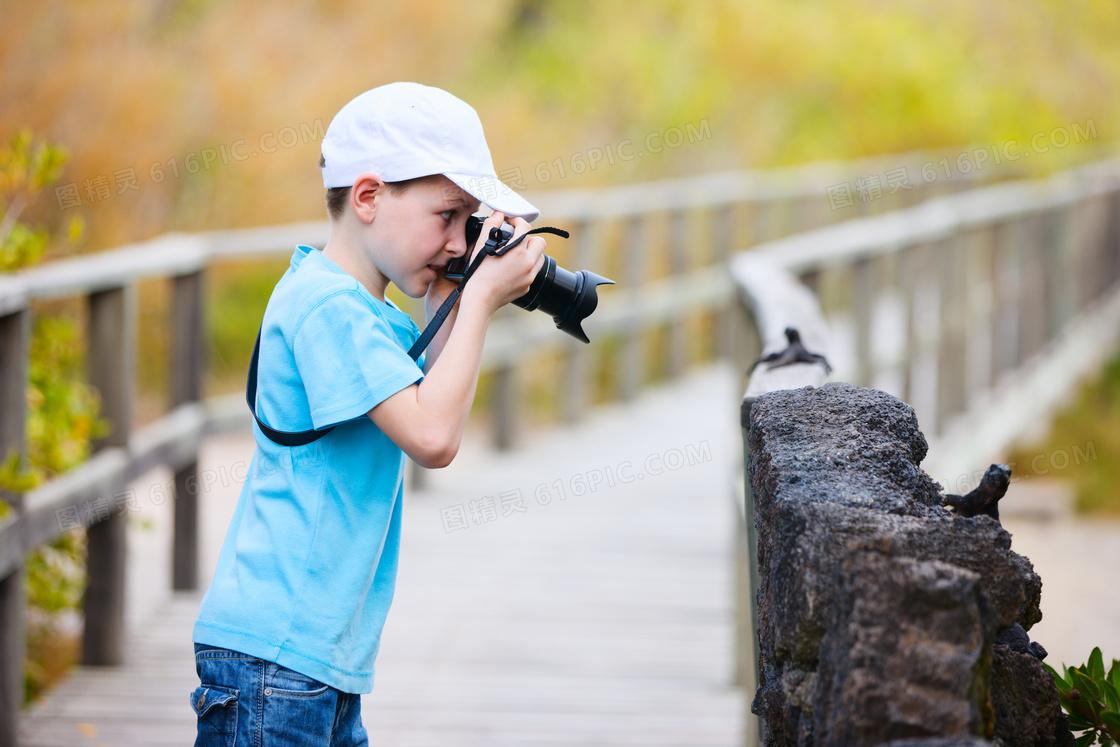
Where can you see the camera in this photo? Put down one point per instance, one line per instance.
(568, 297)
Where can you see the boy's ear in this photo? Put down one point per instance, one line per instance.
(365, 196)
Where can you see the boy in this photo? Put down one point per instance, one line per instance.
(288, 631)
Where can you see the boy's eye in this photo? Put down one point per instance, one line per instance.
(447, 214)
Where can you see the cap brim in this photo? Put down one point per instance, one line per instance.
(495, 194)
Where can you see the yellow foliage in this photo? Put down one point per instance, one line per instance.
(160, 96)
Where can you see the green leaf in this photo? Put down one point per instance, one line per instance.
(1089, 689)
(1095, 667)
(1078, 722)
(1059, 681)
(1111, 696)
(1111, 720)
(1086, 739)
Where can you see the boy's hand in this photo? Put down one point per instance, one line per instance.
(499, 280)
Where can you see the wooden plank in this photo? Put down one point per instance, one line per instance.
(91, 274)
(939, 218)
(13, 295)
(604, 619)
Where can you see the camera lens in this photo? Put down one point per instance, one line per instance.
(567, 297)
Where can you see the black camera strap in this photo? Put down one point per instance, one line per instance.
(301, 438)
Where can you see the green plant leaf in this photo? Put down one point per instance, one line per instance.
(1111, 721)
(1086, 739)
(1079, 720)
(1111, 696)
(1095, 667)
(1089, 689)
(1064, 688)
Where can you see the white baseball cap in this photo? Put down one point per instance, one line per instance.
(404, 131)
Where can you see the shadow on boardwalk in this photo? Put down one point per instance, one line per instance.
(600, 613)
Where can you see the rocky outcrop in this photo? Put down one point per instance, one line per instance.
(878, 608)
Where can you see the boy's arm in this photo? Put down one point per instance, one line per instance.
(427, 420)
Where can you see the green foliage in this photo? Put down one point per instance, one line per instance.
(24, 170)
(61, 410)
(1091, 697)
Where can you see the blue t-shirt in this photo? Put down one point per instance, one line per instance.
(309, 563)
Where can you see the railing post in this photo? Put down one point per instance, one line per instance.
(723, 223)
(979, 298)
(951, 355)
(633, 355)
(1005, 334)
(924, 333)
(15, 334)
(577, 358)
(504, 393)
(907, 284)
(1032, 287)
(1065, 291)
(863, 306)
(1112, 239)
(110, 361)
(678, 328)
(187, 369)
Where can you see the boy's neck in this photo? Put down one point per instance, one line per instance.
(354, 264)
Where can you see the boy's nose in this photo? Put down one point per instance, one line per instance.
(457, 245)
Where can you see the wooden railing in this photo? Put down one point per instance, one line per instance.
(677, 239)
(1007, 296)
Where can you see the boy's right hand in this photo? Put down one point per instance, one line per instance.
(499, 280)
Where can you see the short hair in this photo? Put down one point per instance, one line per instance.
(337, 197)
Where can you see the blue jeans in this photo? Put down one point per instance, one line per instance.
(244, 701)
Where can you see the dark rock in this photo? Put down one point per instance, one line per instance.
(910, 660)
(1063, 736)
(838, 491)
(847, 445)
(1025, 699)
(940, 742)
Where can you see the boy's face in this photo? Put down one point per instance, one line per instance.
(415, 232)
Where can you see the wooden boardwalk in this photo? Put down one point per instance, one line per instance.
(601, 618)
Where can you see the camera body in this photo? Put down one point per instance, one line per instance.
(456, 267)
(568, 297)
